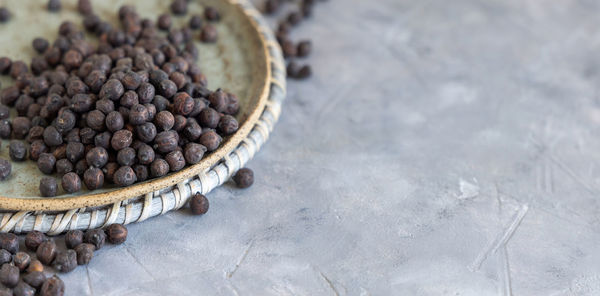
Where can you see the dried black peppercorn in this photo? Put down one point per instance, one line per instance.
(5, 169)
(210, 139)
(17, 150)
(71, 182)
(193, 153)
(73, 238)
(95, 237)
(21, 260)
(48, 187)
(228, 125)
(65, 261)
(46, 162)
(159, 168)
(97, 157)
(116, 234)
(175, 160)
(53, 286)
(93, 178)
(46, 252)
(208, 34)
(9, 242)
(33, 239)
(9, 275)
(244, 178)
(85, 253)
(199, 204)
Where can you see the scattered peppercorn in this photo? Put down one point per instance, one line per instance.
(9, 275)
(40, 44)
(53, 286)
(33, 239)
(4, 15)
(71, 182)
(54, 5)
(9, 242)
(95, 237)
(244, 178)
(17, 150)
(5, 169)
(85, 253)
(199, 204)
(46, 252)
(116, 234)
(65, 261)
(21, 260)
(48, 187)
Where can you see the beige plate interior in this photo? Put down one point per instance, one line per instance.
(238, 62)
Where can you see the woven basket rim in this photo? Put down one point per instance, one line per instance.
(123, 194)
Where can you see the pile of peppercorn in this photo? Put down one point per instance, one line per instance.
(130, 108)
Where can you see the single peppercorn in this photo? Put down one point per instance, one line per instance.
(9, 275)
(211, 14)
(34, 278)
(65, 261)
(164, 120)
(23, 289)
(71, 182)
(9, 242)
(175, 160)
(73, 238)
(21, 260)
(85, 253)
(33, 239)
(46, 252)
(4, 15)
(193, 153)
(48, 187)
(209, 118)
(17, 150)
(228, 125)
(210, 139)
(40, 44)
(116, 234)
(97, 157)
(124, 176)
(208, 34)
(84, 7)
(54, 5)
(159, 168)
(5, 169)
(304, 48)
(5, 256)
(95, 237)
(53, 286)
(199, 204)
(195, 22)
(93, 178)
(164, 22)
(179, 7)
(244, 178)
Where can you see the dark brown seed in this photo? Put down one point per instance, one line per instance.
(36, 149)
(52, 136)
(146, 132)
(195, 22)
(93, 178)
(167, 88)
(164, 120)
(145, 154)
(141, 172)
(71, 182)
(228, 125)
(82, 103)
(21, 126)
(45, 163)
(9, 242)
(4, 15)
(5, 129)
(218, 100)
(179, 7)
(9, 95)
(97, 157)
(112, 90)
(210, 139)
(121, 139)
(95, 237)
(33, 239)
(17, 150)
(54, 5)
(124, 176)
(95, 120)
(48, 187)
(289, 49)
(114, 121)
(164, 22)
(193, 153)
(59, 152)
(175, 160)
(85, 253)
(192, 130)
(211, 14)
(208, 34)
(159, 168)
(75, 151)
(46, 252)
(5, 256)
(21, 260)
(271, 6)
(65, 261)
(95, 80)
(76, 86)
(160, 102)
(80, 167)
(9, 275)
(294, 18)
(138, 114)
(304, 72)
(5, 62)
(84, 7)
(18, 68)
(126, 156)
(65, 121)
(131, 80)
(116, 234)
(40, 44)
(35, 278)
(53, 286)
(5, 169)
(35, 265)
(87, 135)
(199, 204)
(183, 104)
(4, 112)
(106, 106)
(73, 238)
(145, 93)
(109, 171)
(244, 178)
(166, 141)
(72, 59)
(304, 48)
(64, 166)
(23, 289)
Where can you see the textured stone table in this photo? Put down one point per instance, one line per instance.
(441, 148)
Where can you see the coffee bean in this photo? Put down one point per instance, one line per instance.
(244, 178)
(33, 239)
(228, 125)
(211, 14)
(93, 178)
(95, 237)
(5, 169)
(97, 157)
(210, 139)
(23, 289)
(9, 275)
(159, 168)
(65, 261)
(116, 234)
(21, 260)
(199, 204)
(17, 150)
(85, 253)
(208, 34)
(71, 182)
(40, 44)
(45, 163)
(193, 153)
(9, 242)
(48, 187)
(53, 286)
(35, 278)
(46, 252)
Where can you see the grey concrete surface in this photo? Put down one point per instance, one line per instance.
(441, 148)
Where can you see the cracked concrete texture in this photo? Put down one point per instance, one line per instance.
(441, 148)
